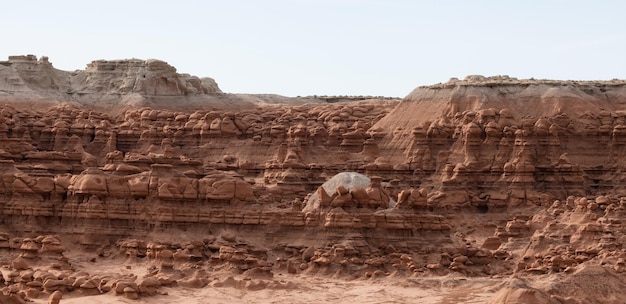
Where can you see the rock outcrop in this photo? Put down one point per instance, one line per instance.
(121, 84)
(485, 177)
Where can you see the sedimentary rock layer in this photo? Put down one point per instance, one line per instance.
(480, 177)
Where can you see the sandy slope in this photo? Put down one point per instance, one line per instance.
(324, 290)
(294, 288)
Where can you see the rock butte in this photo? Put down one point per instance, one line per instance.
(130, 162)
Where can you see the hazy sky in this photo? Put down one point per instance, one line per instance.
(333, 47)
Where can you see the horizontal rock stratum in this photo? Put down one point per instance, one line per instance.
(496, 178)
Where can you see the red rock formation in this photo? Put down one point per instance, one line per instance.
(481, 177)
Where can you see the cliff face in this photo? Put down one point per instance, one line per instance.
(108, 83)
(483, 177)
(150, 77)
(557, 138)
(150, 168)
(26, 74)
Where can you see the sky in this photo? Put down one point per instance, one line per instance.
(328, 47)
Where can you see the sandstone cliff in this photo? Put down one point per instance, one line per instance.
(109, 84)
(485, 177)
(558, 138)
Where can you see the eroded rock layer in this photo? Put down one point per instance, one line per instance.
(118, 85)
(490, 177)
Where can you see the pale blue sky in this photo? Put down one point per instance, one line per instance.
(340, 47)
